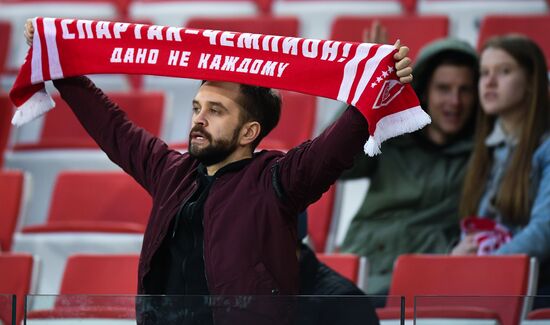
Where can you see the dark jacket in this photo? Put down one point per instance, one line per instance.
(249, 231)
(342, 302)
(411, 205)
(317, 279)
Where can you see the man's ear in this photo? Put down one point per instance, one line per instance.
(249, 132)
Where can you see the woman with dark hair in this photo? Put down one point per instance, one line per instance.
(508, 179)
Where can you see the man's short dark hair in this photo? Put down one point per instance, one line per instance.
(262, 105)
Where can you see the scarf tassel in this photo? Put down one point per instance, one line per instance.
(395, 124)
(39, 103)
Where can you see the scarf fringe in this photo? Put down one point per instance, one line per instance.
(390, 126)
(39, 103)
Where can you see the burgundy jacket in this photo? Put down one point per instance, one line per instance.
(249, 230)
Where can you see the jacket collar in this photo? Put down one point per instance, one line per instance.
(234, 166)
(498, 136)
(461, 145)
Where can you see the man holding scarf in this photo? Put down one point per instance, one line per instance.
(223, 220)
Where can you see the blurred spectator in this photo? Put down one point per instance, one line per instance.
(508, 179)
(412, 202)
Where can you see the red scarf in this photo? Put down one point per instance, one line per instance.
(362, 75)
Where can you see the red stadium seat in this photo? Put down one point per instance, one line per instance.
(350, 266)
(110, 280)
(535, 27)
(11, 198)
(100, 274)
(270, 25)
(320, 218)
(264, 6)
(409, 6)
(465, 15)
(96, 202)
(16, 278)
(457, 286)
(174, 12)
(419, 30)
(6, 112)
(316, 17)
(538, 315)
(5, 30)
(61, 129)
(18, 11)
(296, 123)
(118, 3)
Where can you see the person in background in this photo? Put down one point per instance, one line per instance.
(412, 202)
(508, 178)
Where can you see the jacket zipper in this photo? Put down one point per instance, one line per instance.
(204, 238)
(176, 223)
(148, 268)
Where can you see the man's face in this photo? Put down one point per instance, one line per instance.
(215, 131)
(451, 101)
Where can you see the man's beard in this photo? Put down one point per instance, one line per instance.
(216, 151)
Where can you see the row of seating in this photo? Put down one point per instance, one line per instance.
(152, 8)
(315, 21)
(113, 274)
(419, 31)
(90, 211)
(106, 201)
(434, 287)
(262, 6)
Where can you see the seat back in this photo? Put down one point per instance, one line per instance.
(535, 27)
(350, 266)
(96, 201)
(16, 278)
(320, 218)
(5, 30)
(469, 276)
(18, 11)
(465, 15)
(11, 198)
(419, 31)
(269, 25)
(296, 123)
(173, 13)
(61, 128)
(109, 279)
(100, 274)
(316, 17)
(6, 112)
(99, 196)
(539, 314)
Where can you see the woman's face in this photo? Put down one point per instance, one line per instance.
(502, 84)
